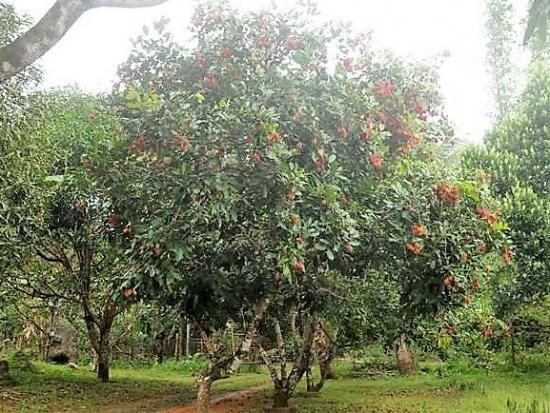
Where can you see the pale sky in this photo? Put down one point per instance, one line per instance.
(90, 53)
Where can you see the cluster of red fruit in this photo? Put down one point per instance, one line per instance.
(400, 132)
(475, 285)
(487, 331)
(292, 43)
(113, 220)
(140, 144)
(129, 293)
(376, 161)
(156, 249)
(321, 162)
(483, 248)
(273, 137)
(418, 230)
(299, 267)
(343, 132)
(507, 255)
(201, 61)
(384, 88)
(348, 64)
(210, 81)
(417, 105)
(420, 109)
(368, 129)
(182, 142)
(127, 230)
(414, 247)
(449, 194)
(410, 140)
(257, 157)
(486, 215)
(80, 206)
(227, 52)
(449, 282)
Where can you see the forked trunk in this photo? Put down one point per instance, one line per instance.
(280, 397)
(203, 394)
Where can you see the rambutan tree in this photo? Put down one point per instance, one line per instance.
(269, 156)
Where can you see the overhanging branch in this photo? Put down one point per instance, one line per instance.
(127, 4)
(33, 44)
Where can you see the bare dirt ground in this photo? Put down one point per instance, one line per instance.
(237, 402)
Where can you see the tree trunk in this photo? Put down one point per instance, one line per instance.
(326, 374)
(5, 377)
(310, 385)
(404, 358)
(280, 397)
(223, 367)
(326, 370)
(203, 394)
(103, 358)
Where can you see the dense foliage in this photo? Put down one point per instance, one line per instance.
(279, 186)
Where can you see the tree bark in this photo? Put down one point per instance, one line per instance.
(323, 345)
(405, 361)
(221, 366)
(103, 359)
(50, 29)
(284, 385)
(203, 394)
(326, 369)
(280, 397)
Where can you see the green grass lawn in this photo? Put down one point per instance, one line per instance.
(56, 389)
(132, 390)
(464, 393)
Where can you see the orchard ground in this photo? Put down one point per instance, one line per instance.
(437, 388)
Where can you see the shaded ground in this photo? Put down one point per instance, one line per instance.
(235, 402)
(58, 389)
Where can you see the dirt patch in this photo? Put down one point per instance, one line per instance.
(237, 402)
(136, 406)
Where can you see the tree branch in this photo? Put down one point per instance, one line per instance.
(33, 44)
(126, 4)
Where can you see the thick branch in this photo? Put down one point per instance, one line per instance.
(50, 29)
(281, 346)
(261, 307)
(270, 366)
(126, 4)
(60, 258)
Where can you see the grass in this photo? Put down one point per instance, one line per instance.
(59, 389)
(472, 392)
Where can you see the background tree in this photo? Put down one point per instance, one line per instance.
(515, 157)
(502, 39)
(537, 21)
(57, 214)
